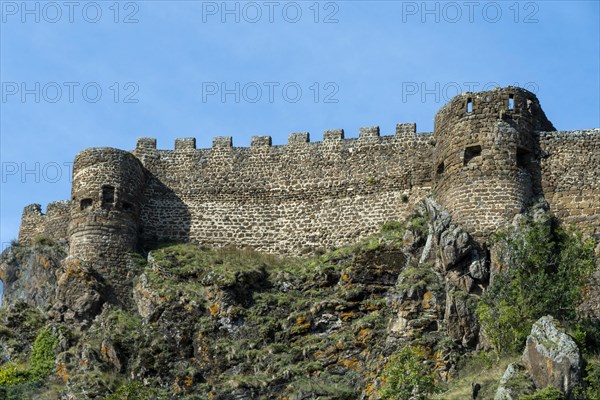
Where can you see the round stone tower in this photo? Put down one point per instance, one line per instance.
(105, 207)
(486, 158)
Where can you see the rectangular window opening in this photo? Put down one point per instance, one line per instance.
(85, 203)
(469, 105)
(108, 197)
(511, 102)
(471, 152)
(523, 158)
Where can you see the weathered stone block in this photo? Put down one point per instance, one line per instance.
(551, 357)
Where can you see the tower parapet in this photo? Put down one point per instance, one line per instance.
(486, 159)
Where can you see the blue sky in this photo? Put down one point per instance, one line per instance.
(102, 73)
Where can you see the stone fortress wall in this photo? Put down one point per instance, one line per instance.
(283, 198)
(53, 223)
(491, 154)
(570, 167)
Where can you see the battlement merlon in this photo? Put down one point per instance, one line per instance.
(146, 143)
(185, 144)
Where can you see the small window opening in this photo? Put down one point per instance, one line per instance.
(511, 102)
(85, 203)
(469, 105)
(523, 158)
(471, 152)
(440, 168)
(108, 197)
(127, 206)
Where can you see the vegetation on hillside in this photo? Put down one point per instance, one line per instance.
(214, 323)
(543, 269)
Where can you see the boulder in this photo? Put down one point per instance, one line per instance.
(514, 383)
(551, 357)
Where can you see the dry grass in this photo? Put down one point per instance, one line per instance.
(476, 371)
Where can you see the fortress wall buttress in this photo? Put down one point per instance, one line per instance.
(571, 176)
(284, 198)
(53, 223)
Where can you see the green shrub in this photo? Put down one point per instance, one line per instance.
(503, 325)
(591, 388)
(43, 354)
(544, 268)
(41, 362)
(43, 240)
(136, 391)
(391, 226)
(21, 391)
(13, 374)
(586, 333)
(408, 375)
(548, 393)
(419, 277)
(419, 225)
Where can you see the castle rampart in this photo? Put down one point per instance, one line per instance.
(492, 153)
(570, 165)
(283, 198)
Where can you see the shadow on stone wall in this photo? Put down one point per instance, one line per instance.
(529, 163)
(164, 216)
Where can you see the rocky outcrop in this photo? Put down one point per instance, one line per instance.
(228, 323)
(80, 294)
(29, 273)
(552, 357)
(445, 272)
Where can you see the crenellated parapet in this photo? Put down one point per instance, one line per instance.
(405, 134)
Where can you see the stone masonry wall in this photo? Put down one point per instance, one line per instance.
(571, 176)
(284, 198)
(53, 223)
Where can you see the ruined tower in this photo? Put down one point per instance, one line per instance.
(105, 207)
(486, 158)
